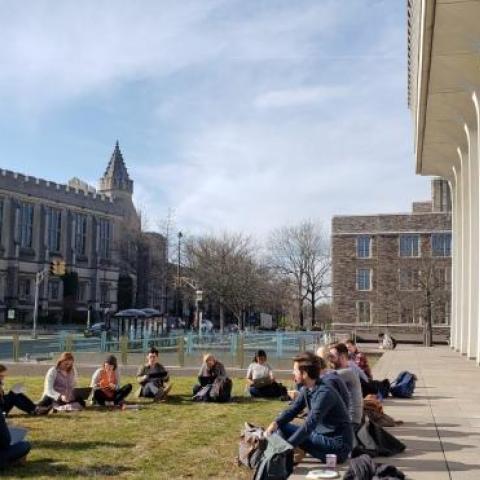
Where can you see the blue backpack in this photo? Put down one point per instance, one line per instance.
(404, 385)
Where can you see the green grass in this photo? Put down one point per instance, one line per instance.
(174, 440)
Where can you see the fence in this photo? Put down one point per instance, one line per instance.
(177, 349)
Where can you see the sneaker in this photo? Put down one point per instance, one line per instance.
(39, 410)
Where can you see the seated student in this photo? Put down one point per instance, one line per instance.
(210, 370)
(19, 400)
(359, 358)
(327, 428)
(331, 378)
(60, 382)
(260, 379)
(339, 359)
(386, 341)
(153, 378)
(106, 383)
(11, 454)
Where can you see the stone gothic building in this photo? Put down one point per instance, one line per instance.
(96, 232)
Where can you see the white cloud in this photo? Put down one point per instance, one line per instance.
(300, 96)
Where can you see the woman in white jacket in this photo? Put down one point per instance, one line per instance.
(60, 382)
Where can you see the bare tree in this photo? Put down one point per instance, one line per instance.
(226, 268)
(301, 254)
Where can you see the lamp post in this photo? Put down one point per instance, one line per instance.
(178, 306)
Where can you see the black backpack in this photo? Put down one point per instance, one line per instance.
(221, 390)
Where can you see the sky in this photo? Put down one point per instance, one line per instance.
(238, 115)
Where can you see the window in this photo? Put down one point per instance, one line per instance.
(1, 218)
(409, 246)
(363, 312)
(363, 246)
(363, 279)
(24, 288)
(80, 234)
(54, 222)
(441, 244)
(441, 314)
(26, 225)
(408, 279)
(104, 293)
(443, 278)
(408, 314)
(54, 290)
(82, 292)
(105, 234)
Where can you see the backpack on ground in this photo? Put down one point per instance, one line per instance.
(277, 460)
(203, 395)
(404, 385)
(221, 390)
(375, 441)
(252, 445)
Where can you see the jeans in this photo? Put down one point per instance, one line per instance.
(151, 390)
(13, 452)
(318, 445)
(118, 396)
(19, 400)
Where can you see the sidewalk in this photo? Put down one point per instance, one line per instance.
(442, 421)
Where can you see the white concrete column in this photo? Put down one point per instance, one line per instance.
(465, 290)
(453, 283)
(473, 241)
(457, 260)
(476, 151)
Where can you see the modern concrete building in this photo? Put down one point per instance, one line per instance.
(444, 95)
(385, 266)
(96, 233)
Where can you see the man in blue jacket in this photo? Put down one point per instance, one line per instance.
(327, 428)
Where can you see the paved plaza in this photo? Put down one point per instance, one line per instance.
(441, 423)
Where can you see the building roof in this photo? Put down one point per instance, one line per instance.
(116, 175)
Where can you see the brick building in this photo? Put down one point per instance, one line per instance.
(384, 265)
(96, 232)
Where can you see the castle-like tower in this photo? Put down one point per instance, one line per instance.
(116, 181)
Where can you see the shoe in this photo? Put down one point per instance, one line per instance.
(298, 455)
(167, 389)
(39, 410)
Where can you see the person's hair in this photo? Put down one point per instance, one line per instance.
(3, 368)
(381, 335)
(350, 341)
(322, 363)
(309, 363)
(154, 351)
(209, 356)
(65, 357)
(111, 360)
(341, 349)
(259, 353)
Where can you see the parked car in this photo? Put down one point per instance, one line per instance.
(96, 329)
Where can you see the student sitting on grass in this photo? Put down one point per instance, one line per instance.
(260, 380)
(210, 370)
(327, 428)
(11, 455)
(60, 382)
(153, 378)
(19, 400)
(106, 383)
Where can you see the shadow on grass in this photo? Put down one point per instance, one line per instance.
(53, 445)
(51, 469)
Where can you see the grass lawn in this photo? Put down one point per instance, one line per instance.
(174, 440)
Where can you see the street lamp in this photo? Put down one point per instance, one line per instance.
(178, 306)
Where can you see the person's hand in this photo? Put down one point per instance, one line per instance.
(111, 386)
(64, 398)
(144, 378)
(272, 428)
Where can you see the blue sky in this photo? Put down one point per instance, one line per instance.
(239, 115)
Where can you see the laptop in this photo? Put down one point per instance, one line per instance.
(82, 392)
(262, 382)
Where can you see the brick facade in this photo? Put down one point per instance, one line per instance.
(398, 284)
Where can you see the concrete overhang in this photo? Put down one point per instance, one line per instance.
(447, 50)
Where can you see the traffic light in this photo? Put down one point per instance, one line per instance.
(57, 267)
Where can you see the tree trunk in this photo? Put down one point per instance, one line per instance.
(222, 318)
(300, 302)
(428, 335)
(312, 299)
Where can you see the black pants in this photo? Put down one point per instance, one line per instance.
(13, 453)
(274, 390)
(47, 401)
(19, 400)
(100, 397)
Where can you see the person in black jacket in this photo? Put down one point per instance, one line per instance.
(11, 454)
(153, 378)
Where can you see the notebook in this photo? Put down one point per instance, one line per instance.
(262, 382)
